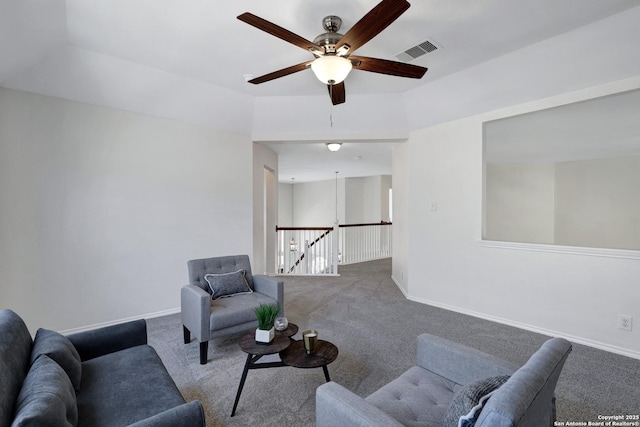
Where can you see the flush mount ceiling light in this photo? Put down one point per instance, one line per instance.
(331, 69)
(334, 146)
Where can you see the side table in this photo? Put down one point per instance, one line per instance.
(296, 355)
(255, 351)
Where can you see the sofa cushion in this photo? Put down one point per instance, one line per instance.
(227, 284)
(533, 384)
(61, 351)
(198, 268)
(47, 398)
(467, 403)
(416, 398)
(15, 348)
(226, 312)
(133, 380)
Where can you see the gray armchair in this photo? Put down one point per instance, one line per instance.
(428, 394)
(208, 318)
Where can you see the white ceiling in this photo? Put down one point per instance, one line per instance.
(51, 46)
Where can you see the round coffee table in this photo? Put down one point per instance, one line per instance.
(291, 352)
(256, 350)
(296, 355)
(291, 330)
(281, 341)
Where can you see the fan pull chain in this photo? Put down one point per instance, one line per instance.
(331, 106)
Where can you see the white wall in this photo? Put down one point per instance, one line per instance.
(386, 184)
(577, 296)
(401, 196)
(520, 202)
(598, 203)
(360, 200)
(367, 199)
(357, 203)
(284, 205)
(589, 203)
(315, 204)
(102, 208)
(265, 208)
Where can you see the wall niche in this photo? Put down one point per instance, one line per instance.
(567, 176)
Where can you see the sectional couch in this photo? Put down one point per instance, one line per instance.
(105, 377)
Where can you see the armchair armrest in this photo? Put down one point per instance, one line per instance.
(271, 287)
(337, 406)
(188, 415)
(195, 309)
(458, 362)
(109, 339)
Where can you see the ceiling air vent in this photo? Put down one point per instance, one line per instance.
(417, 51)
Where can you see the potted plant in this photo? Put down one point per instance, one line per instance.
(267, 314)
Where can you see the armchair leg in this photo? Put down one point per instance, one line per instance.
(204, 350)
(187, 334)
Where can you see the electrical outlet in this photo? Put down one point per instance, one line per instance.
(625, 322)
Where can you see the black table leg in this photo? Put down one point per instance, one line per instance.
(242, 380)
(326, 373)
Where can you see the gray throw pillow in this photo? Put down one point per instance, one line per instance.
(227, 284)
(59, 348)
(47, 398)
(469, 400)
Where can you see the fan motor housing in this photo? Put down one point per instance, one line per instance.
(328, 40)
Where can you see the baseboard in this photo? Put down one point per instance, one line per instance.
(115, 322)
(578, 340)
(400, 287)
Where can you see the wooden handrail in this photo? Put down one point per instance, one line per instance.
(331, 228)
(362, 225)
(302, 228)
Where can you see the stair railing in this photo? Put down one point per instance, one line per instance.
(306, 250)
(319, 250)
(365, 242)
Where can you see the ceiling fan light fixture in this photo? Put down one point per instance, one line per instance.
(331, 69)
(334, 146)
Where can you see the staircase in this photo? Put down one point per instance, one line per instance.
(319, 250)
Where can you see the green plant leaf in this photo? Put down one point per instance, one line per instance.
(266, 314)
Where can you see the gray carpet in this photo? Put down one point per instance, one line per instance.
(375, 329)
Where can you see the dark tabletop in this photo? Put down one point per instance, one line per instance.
(296, 355)
(291, 330)
(281, 341)
(249, 345)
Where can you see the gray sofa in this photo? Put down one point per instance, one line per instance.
(207, 318)
(105, 377)
(447, 383)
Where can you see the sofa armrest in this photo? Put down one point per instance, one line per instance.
(109, 339)
(195, 311)
(271, 287)
(337, 406)
(188, 415)
(458, 362)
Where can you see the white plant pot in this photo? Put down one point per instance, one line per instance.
(265, 336)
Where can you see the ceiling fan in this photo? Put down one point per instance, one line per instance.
(333, 51)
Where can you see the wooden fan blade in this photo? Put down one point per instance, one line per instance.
(281, 73)
(370, 25)
(384, 66)
(337, 93)
(281, 33)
